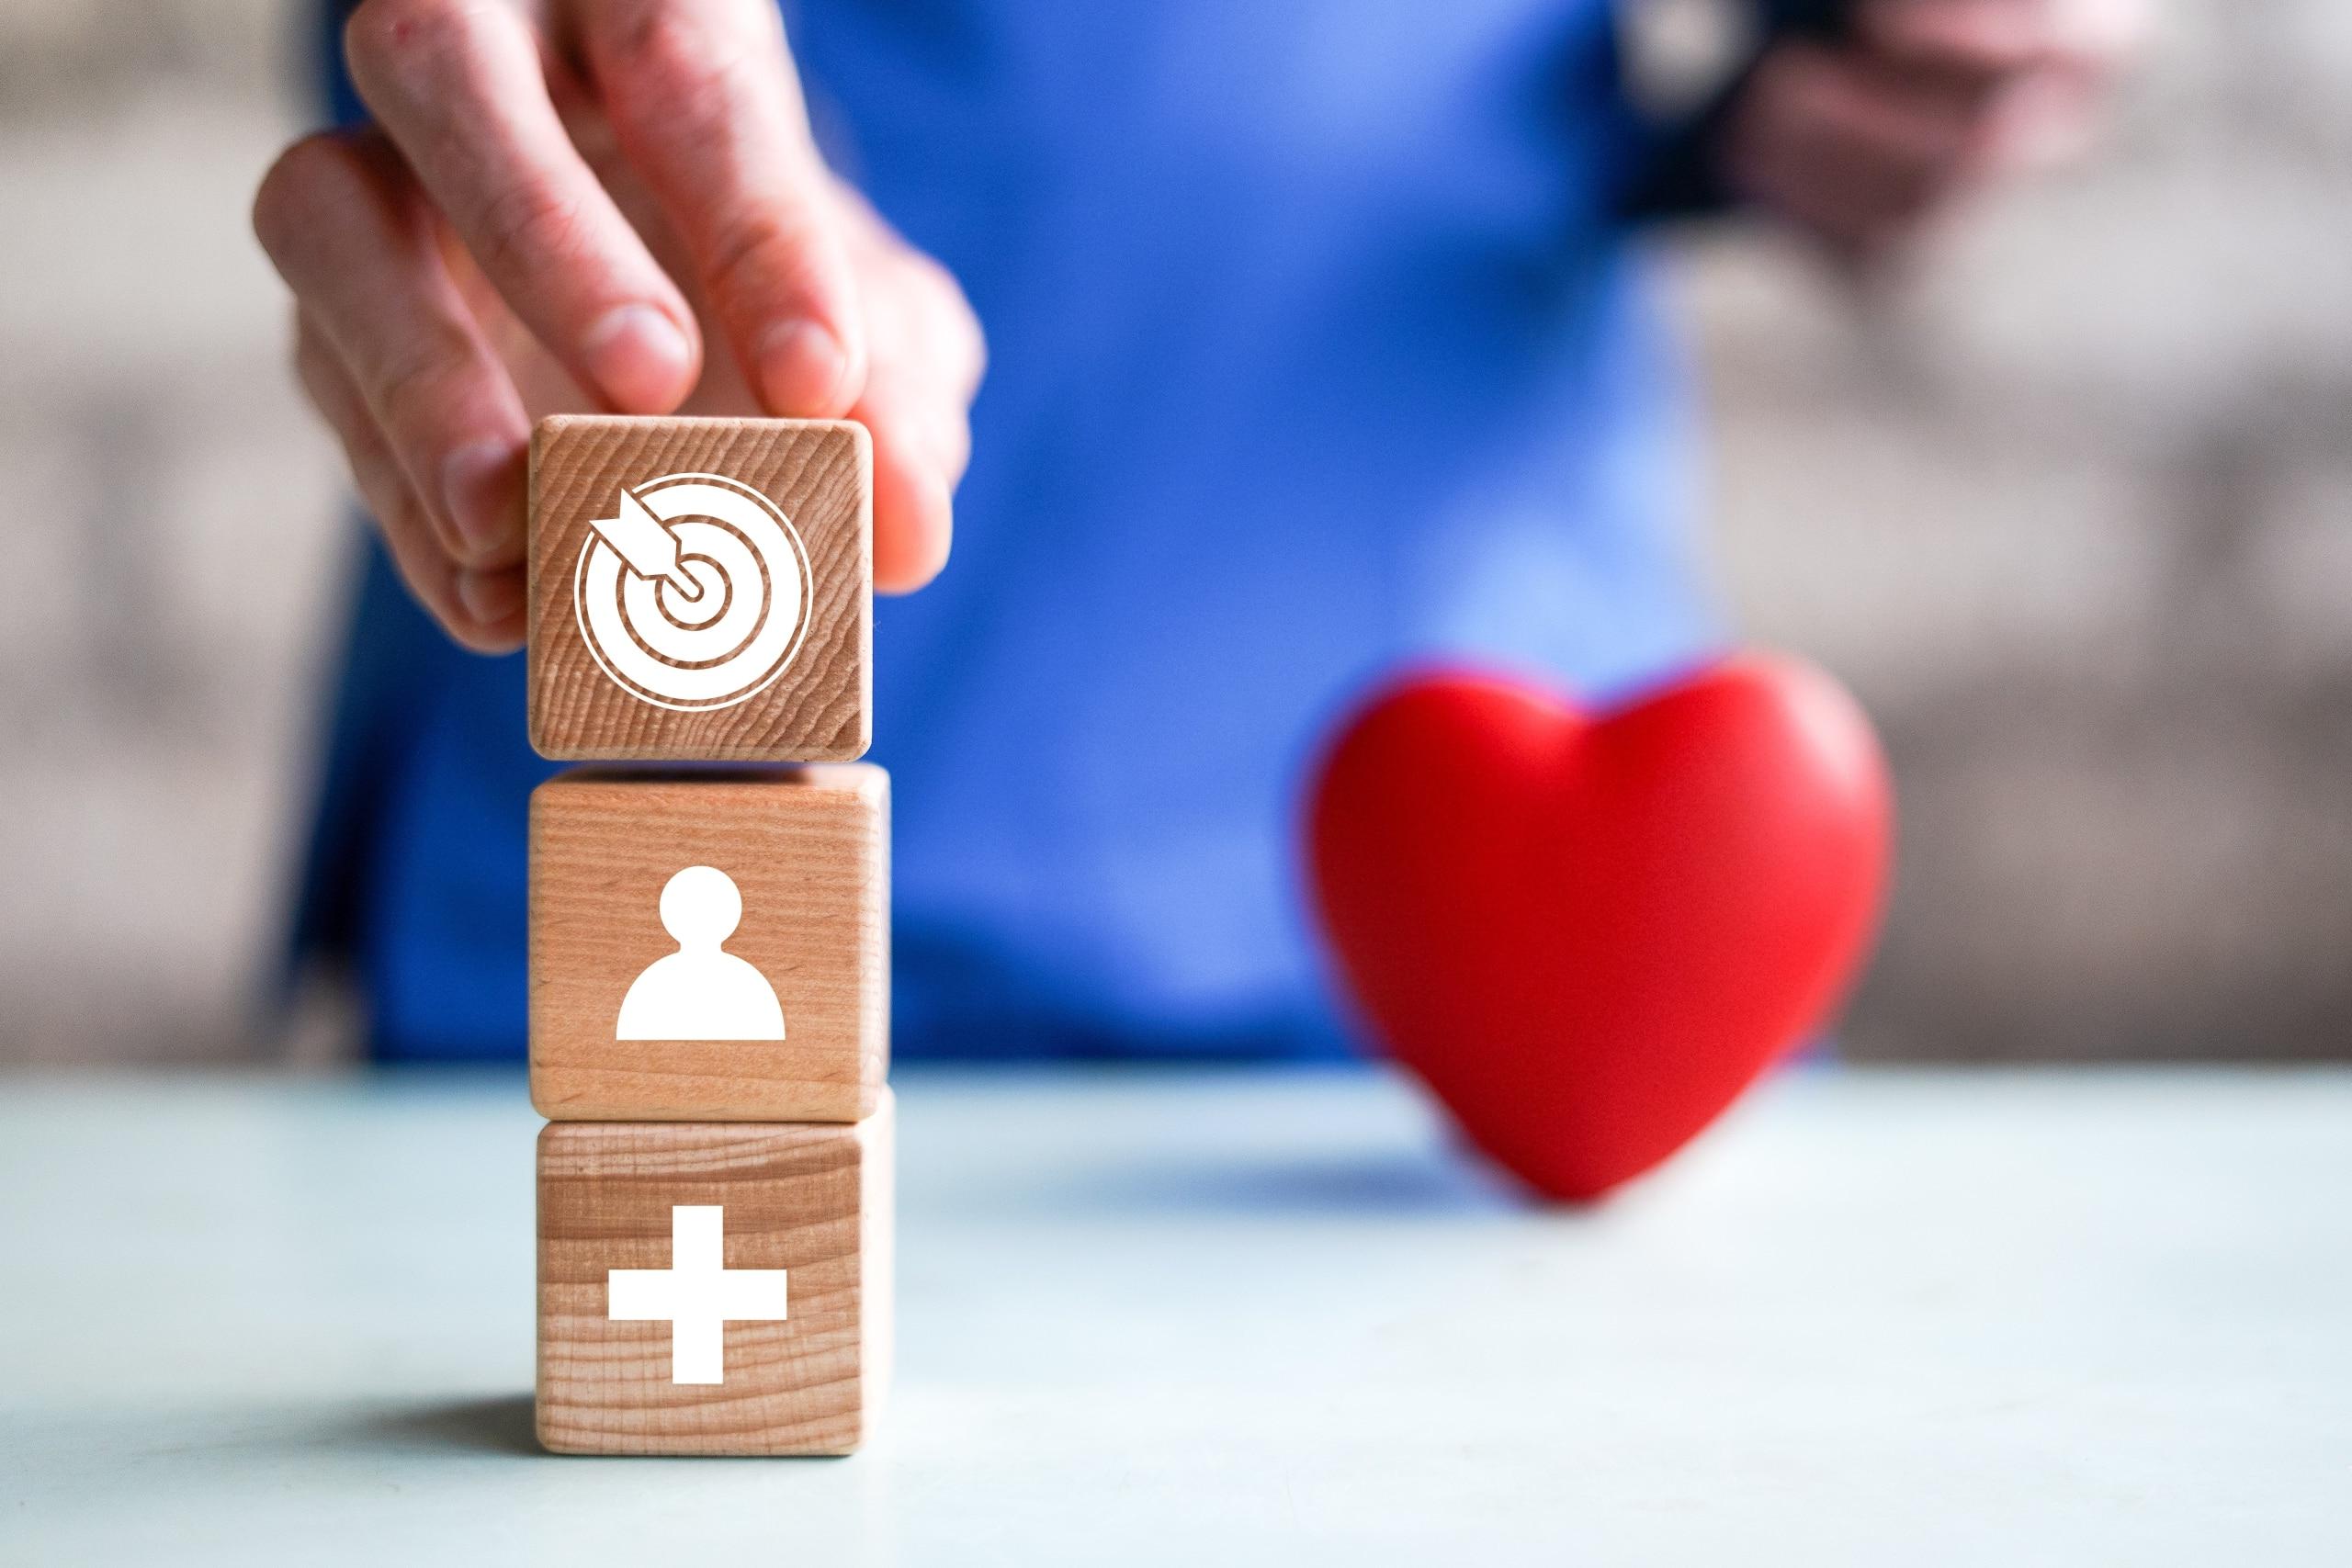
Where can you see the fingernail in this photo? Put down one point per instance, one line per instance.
(480, 490)
(490, 597)
(801, 369)
(639, 358)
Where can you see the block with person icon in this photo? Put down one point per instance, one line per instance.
(710, 946)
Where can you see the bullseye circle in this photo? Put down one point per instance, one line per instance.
(709, 576)
(735, 635)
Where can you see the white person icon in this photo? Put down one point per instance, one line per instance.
(700, 992)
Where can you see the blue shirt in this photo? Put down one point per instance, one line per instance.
(1317, 349)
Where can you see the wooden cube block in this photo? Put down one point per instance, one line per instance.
(713, 1288)
(710, 947)
(700, 589)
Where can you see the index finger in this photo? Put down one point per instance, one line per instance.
(461, 90)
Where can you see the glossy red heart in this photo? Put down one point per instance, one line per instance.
(1588, 933)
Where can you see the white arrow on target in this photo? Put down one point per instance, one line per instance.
(693, 594)
(645, 542)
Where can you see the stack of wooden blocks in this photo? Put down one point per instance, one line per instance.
(709, 947)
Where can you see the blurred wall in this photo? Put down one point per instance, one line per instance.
(170, 518)
(2072, 508)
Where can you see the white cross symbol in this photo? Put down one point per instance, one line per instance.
(697, 1293)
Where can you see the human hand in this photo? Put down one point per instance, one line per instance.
(1863, 143)
(559, 207)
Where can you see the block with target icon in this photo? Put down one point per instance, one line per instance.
(710, 946)
(714, 1288)
(700, 589)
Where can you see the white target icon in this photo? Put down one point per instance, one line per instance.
(695, 593)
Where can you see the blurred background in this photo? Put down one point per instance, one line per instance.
(2071, 508)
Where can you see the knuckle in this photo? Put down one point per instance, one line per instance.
(299, 185)
(394, 506)
(532, 224)
(952, 437)
(687, 76)
(963, 322)
(657, 56)
(931, 279)
(947, 325)
(768, 252)
(411, 397)
(399, 45)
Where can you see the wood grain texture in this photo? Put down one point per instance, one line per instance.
(813, 1201)
(808, 849)
(819, 473)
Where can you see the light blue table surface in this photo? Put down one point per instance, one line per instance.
(1146, 1317)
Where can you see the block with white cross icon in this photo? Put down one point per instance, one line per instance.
(713, 1288)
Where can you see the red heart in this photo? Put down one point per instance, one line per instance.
(1589, 934)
